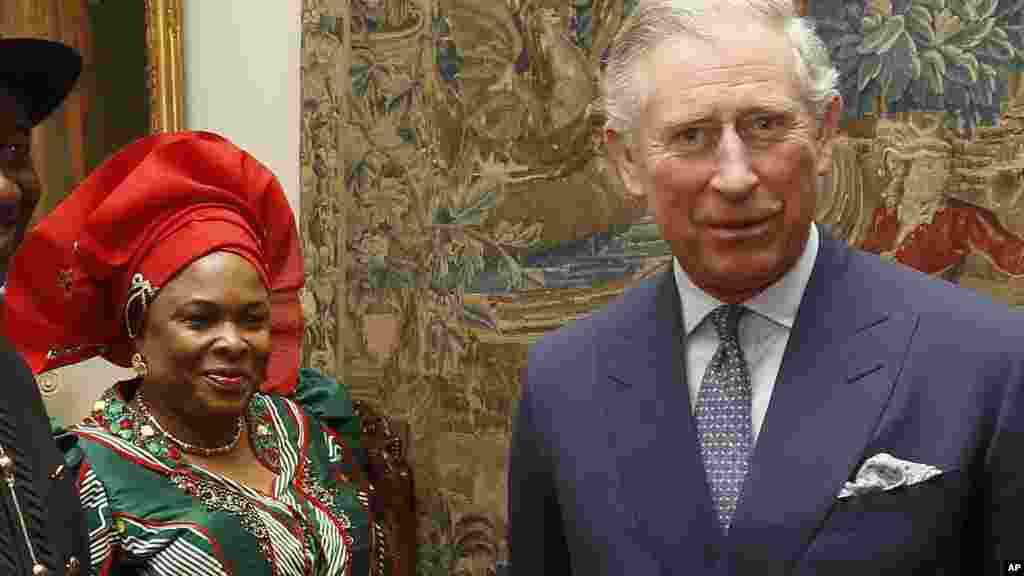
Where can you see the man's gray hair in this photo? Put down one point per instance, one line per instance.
(654, 22)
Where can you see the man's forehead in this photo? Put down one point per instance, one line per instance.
(748, 45)
(687, 85)
(12, 113)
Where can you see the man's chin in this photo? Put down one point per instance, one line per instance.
(742, 278)
(8, 241)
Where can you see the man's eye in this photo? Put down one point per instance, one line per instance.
(767, 122)
(13, 153)
(694, 136)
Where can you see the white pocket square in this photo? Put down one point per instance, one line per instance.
(884, 472)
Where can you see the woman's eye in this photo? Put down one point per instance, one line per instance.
(197, 322)
(256, 320)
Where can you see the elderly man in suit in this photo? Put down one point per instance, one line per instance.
(41, 525)
(777, 403)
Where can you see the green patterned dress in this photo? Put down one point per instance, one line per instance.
(150, 512)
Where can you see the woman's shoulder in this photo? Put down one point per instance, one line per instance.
(323, 398)
(69, 438)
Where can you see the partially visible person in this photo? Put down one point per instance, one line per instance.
(41, 527)
(777, 402)
(179, 257)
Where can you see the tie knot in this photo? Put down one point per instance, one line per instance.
(726, 320)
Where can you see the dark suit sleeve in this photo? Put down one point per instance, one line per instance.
(48, 505)
(536, 533)
(1004, 498)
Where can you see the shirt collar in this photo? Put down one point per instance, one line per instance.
(778, 302)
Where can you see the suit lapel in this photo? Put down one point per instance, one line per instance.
(836, 378)
(652, 436)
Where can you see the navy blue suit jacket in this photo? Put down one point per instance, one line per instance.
(606, 476)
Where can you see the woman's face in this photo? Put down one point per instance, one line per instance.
(206, 339)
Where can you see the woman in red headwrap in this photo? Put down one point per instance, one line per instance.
(179, 257)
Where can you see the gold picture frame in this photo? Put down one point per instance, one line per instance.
(132, 83)
(165, 69)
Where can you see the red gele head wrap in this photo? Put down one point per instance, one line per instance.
(152, 209)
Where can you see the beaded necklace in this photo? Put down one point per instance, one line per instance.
(186, 446)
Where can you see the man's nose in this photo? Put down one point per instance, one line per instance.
(734, 177)
(10, 192)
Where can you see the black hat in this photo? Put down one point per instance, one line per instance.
(39, 74)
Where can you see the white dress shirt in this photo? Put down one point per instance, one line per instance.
(763, 330)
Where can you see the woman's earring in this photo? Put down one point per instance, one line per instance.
(139, 364)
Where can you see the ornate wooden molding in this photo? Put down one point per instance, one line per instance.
(164, 65)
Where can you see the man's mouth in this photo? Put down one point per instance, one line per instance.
(7, 234)
(740, 229)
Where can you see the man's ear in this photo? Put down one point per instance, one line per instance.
(625, 161)
(828, 128)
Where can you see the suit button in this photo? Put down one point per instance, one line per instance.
(72, 567)
(58, 473)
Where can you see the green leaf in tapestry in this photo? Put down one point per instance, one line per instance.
(915, 67)
(933, 69)
(998, 49)
(1008, 8)
(480, 315)
(359, 175)
(885, 77)
(987, 8)
(935, 5)
(984, 90)
(868, 71)
(1013, 34)
(511, 272)
(832, 25)
(880, 39)
(475, 213)
(972, 34)
(473, 264)
(961, 66)
(920, 89)
(936, 59)
(919, 25)
(443, 215)
(846, 46)
(869, 97)
(395, 101)
(903, 66)
(328, 24)
(378, 270)
(360, 78)
(964, 9)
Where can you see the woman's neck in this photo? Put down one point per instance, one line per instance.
(200, 432)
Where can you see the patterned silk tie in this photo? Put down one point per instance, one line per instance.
(723, 414)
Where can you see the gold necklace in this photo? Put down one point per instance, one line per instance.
(186, 446)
